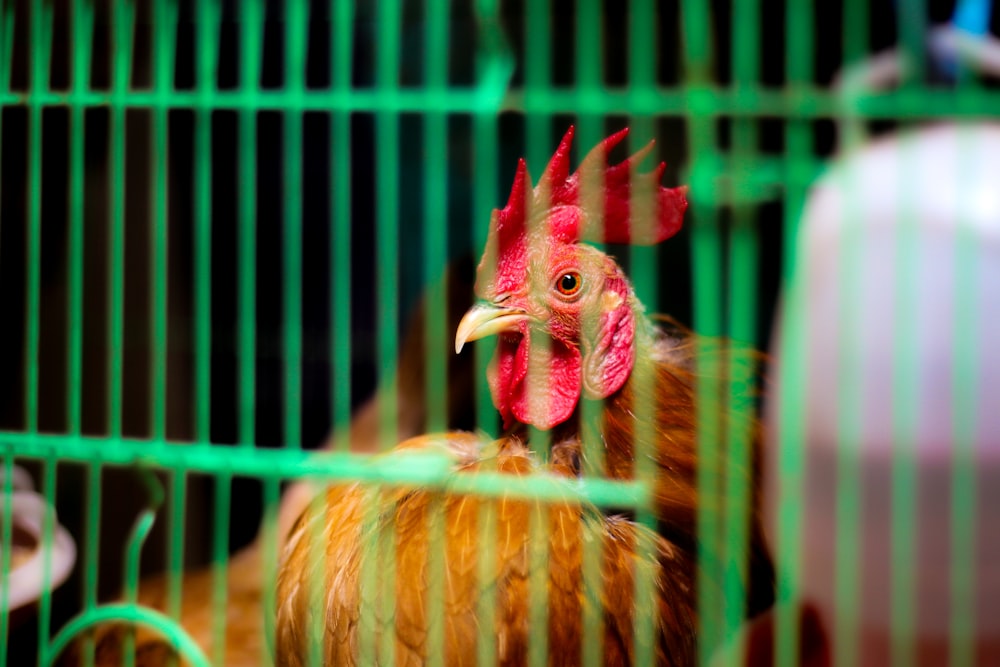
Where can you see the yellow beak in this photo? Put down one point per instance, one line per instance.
(484, 320)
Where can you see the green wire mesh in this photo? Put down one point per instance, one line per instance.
(696, 75)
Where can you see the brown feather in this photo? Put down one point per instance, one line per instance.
(348, 528)
(676, 361)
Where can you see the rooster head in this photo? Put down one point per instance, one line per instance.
(565, 312)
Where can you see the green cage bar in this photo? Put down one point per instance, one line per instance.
(5, 555)
(849, 498)
(250, 53)
(963, 499)
(340, 182)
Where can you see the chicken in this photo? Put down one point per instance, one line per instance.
(345, 531)
(570, 330)
(568, 308)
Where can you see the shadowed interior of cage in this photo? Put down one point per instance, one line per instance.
(205, 270)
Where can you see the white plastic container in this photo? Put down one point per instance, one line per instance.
(896, 240)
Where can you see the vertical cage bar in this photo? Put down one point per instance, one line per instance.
(175, 553)
(6, 542)
(6, 49)
(133, 555)
(373, 583)
(905, 404)
(793, 372)
(387, 335)
(790, 434)
(967, 351)
(387, 216)
(696, 32)
(6, 512)
(92, 551)
(206, 63)
(83, 25)
(7, 14)
(589, 60)
(220, 555)
(82, 18)
(435, 168)
(48, 529)
(849, 401)
(849, 432)
(40, 26)
(646, 278)
(270, 554)
(250, 42)
(316, 633)
(437, 581)
(706, 261)
(645, 275)
(592, 463)
(341, 58)
(539, 525)
(388, 16)
(589, 49)
(743, 304)
(121, 45)
(589, 130)
(706, 250)
(82, 44)
(911, 17)
(973, 16)
(741, 370)
(799, 36)
(164, 21)
(855, 33)
(486, 157)
(486, 642)
(537, 82)
(435, 213)
(207, 55)
(295, 61)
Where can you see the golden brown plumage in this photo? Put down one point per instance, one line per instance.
(675, 363)
(349, 520)
(571, 333)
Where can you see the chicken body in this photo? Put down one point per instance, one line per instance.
(658, 419)
(570, 332)
(340, 533)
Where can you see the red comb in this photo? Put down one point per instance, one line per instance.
(655, 221)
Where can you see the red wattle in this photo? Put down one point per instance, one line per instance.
(535, 383)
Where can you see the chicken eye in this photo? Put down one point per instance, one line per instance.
(569, 284)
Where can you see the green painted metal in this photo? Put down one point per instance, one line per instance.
(8, 537)
(964, 506)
